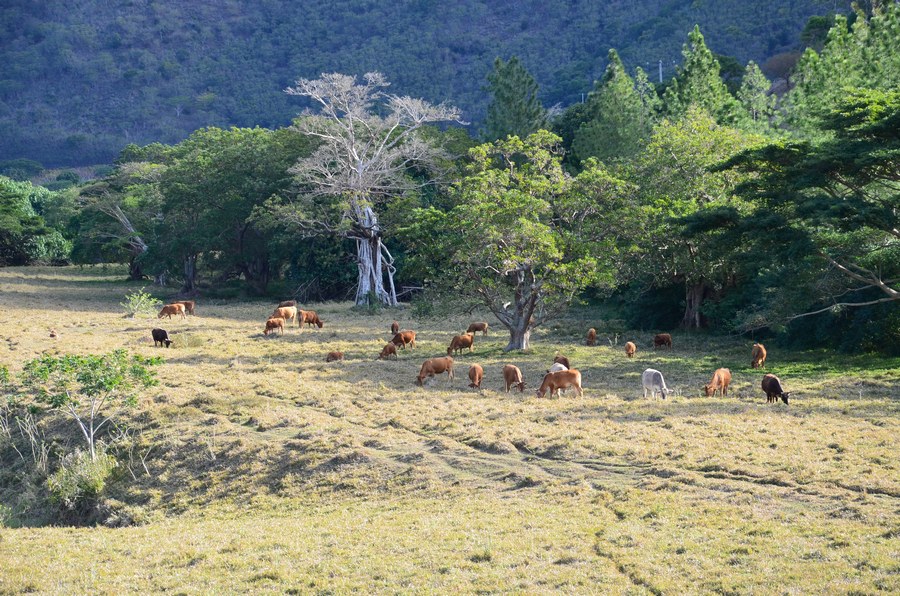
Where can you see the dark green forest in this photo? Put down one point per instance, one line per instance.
(81, 79)
(711, 202)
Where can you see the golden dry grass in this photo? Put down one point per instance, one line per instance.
(271, 470)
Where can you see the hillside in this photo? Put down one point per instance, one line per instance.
(79, 80)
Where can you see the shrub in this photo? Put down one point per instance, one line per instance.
(140, 302)
(80, 480)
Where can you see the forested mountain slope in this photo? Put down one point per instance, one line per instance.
(81, 78)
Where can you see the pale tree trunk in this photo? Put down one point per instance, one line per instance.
(694, 295)
(519, 321)
(374, 262)
(519, 336)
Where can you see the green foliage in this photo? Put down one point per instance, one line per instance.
(85, 387)
(754, 96)
(514, 109)
(140, 302)
(80, 480)
(864, 54)
(24, 236)
(699, 84)
(20, 169)
(142, 72)
(620, 117)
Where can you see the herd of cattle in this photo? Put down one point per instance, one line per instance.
(559, 377)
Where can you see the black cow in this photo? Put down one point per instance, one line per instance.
(160, 337)
(772, 386)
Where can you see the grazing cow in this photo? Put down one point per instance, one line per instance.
(772, 386)
(310, 318)
(476, 373)
(435, 366)
(395, 328)
(332, 356)
(461, 342)
(720, 381)
(512, 376)
(758, 356)
(480, 326)
(288, 313)
(171, 309)
(287, 303)
(274, 323)
(561, 380)
(557, 366)
(404, 338)
(388, 351)
(188, 305)
(160, 337)
(653, 380)
(662, 339)
(630, 349)
(592, 336)
(562, 360)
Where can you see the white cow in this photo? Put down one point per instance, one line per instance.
(653, 380)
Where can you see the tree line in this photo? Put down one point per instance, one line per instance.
(696, 203)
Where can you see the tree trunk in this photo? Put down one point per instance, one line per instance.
(519, 338)
(694, 295)
(257, 274)
(135, 271)
(190, 275)
(374, 262)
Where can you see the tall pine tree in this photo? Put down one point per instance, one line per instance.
(699, 84)
(619, 122)
(759, 106)
(515, 108)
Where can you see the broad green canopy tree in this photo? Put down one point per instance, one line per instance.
(525, 238)
(24, 236)
(677, 186)
(839, 198)
(215, 181)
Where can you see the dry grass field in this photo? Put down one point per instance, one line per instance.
(254, 466)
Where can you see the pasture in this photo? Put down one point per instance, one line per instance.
(254, 465)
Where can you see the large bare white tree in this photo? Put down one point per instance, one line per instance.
(369, 141)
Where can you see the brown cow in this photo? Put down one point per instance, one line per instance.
(512, 376)
(310, 318)
(772, 386)
(387, 351)
(332, 356)
(273, 324)
(287, 303)
(720, 381)
(288, 313)
(435, 366)
(561, 380)
(562, 360)
(395, 328)
(461, 342)
(476, 373)
(480, 326)
(662, 339)
(404, 338)
(188, 305)
(630, 349)
(171, 309)
(758, 356)
(592, 336)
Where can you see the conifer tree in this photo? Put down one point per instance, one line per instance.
(618, 124)
(515, 108)
(699, 84)
(754, 96)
